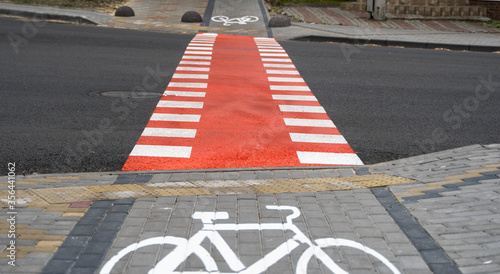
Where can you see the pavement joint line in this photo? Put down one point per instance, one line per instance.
(430, 251)
(96, 233)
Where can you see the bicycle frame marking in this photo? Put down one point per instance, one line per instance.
(228, 22)
(186, 247)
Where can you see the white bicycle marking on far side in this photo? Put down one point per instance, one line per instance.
(230, 21)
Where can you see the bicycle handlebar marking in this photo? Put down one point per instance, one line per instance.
(184, 248)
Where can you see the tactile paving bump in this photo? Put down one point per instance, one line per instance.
(283, 188)
(23, 198)
(180, 191)
(170, 184)
(116, 188)
(66, 194)
(335, 186)
(234, 190)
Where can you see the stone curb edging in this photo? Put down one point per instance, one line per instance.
(396, 43)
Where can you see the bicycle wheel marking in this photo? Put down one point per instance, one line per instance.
(238, 102)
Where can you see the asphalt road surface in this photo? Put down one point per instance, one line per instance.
(388, 103)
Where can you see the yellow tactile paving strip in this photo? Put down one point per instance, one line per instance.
(449, 180)
(47, 197)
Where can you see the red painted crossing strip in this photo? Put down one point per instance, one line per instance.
(238, 102)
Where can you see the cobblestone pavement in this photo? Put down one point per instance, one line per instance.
(337, 16)
(431, 213)
(161, 15)
(456, 200)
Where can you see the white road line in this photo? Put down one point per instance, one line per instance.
(193, 69)
(187, 85)
(190, 76)
(269, 47)
(278, 66)
(197, 57)
(285, 79)
(194, 63)
(198, 48)
(201, 44)
(294, 97)
(271, 50)
(317, 138)
(285, 60)
(169, 132)
(282, 71)
(274, 54)
(184, 93)
(161, 151)
(327, 158)
(179, 104)
(291, 88)
(175, 117)
(308, 109)
(198, 52)
(309, 122)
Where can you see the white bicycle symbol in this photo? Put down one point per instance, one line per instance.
(242, 21)
(185, 248)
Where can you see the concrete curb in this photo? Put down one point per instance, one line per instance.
(52, 13)
(396, 43)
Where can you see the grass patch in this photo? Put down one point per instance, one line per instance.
(493, 24)
(108, 6)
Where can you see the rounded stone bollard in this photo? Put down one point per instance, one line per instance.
(124, 11)
(279, 21)
(191, 17)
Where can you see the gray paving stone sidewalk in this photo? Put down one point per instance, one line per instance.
(390, 37)
(456, 200)
(436, 166)
(353, 215)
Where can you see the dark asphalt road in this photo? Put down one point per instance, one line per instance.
(387, 102)
(391, 103)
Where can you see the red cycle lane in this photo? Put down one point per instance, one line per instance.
(238, 102)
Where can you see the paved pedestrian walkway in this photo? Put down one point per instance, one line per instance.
(160, 15)
(337, 16)
(431, 213)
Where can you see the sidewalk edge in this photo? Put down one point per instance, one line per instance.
(56, 14)
(396, 43)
